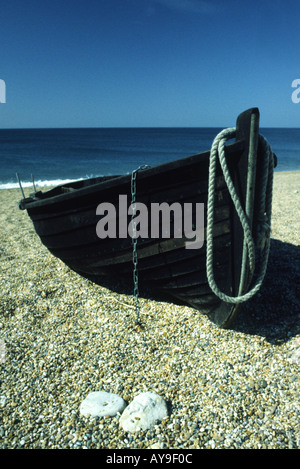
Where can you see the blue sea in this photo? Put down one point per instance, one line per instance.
(54, 156)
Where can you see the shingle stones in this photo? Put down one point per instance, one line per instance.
(141, 414)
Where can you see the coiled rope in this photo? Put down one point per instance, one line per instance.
(264, 217)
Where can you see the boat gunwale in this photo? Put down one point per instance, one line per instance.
(31, 203)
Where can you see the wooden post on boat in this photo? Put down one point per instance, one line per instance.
(243, 174)
(18, 179)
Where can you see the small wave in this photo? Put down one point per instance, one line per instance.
(46, 183)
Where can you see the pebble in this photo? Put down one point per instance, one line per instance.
(2, 351)
(66, 337)
(141, 414)
(294, 355)
(102, 404)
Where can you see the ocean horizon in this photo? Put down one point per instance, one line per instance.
(56, 156)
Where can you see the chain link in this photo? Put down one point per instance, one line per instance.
(134, 242)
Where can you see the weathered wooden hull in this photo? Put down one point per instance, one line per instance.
(65, 219)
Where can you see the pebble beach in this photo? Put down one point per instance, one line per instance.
(63, 337)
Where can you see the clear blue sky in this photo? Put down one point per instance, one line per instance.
(131, 63)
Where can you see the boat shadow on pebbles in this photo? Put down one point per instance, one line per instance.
(274, 313)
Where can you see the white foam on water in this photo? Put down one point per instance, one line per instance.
(46, 183)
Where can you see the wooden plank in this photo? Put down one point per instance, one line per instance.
(156, 176)
(239, 176)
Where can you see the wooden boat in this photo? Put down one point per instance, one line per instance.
(65, 219)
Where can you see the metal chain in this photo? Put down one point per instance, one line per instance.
(134, 242)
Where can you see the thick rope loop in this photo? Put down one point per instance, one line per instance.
(264, 217)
